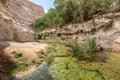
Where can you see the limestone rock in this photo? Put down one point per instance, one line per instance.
(107, 31)
(17, 20)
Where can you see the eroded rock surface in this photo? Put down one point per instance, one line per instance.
(106, 29)
(16, 20)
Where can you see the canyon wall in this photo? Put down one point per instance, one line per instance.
(17, 20)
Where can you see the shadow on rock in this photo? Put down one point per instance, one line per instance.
(6, 63)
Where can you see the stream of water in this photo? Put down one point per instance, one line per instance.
(66, 67)
(41, 73)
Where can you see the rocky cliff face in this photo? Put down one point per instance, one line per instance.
(16, 20)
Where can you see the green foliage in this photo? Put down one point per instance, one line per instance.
(67, 11)
(33, 61)
(77, 70)
(17, 54)
(19, 58)
(21, 61)
(41, 53)
(51, 19)
(89, 47)
(106, 5)
(77, 50)
(49, 59)
(17, 69)
(92, 44)
(70, 68)
(51, 50)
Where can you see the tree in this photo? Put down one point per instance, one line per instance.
(73, 11)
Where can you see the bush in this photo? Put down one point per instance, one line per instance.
(89, 47)
(76, 49)
(19, 58)
(92, 44)
(41, 53)
(17, 54)
(21, 61)
(49, 59)
(33, 61)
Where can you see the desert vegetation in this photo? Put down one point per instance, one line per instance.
(69, 11)
(87, 48)
(70, 63)
(75, 40)
(78, 59)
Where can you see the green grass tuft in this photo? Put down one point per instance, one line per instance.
(49, 59)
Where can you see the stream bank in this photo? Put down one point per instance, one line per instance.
(41, 73)
(66, 67)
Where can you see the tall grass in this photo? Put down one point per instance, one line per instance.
(89, 47)
(77, 50)
(92, 44)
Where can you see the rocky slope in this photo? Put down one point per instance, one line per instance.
(106, 29)
(16, 20)
(16, 24)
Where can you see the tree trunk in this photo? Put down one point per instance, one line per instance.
(81, 13)
(82, 18)
(93, 21)
(113, 5)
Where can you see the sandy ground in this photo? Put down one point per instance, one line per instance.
(28, 49)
